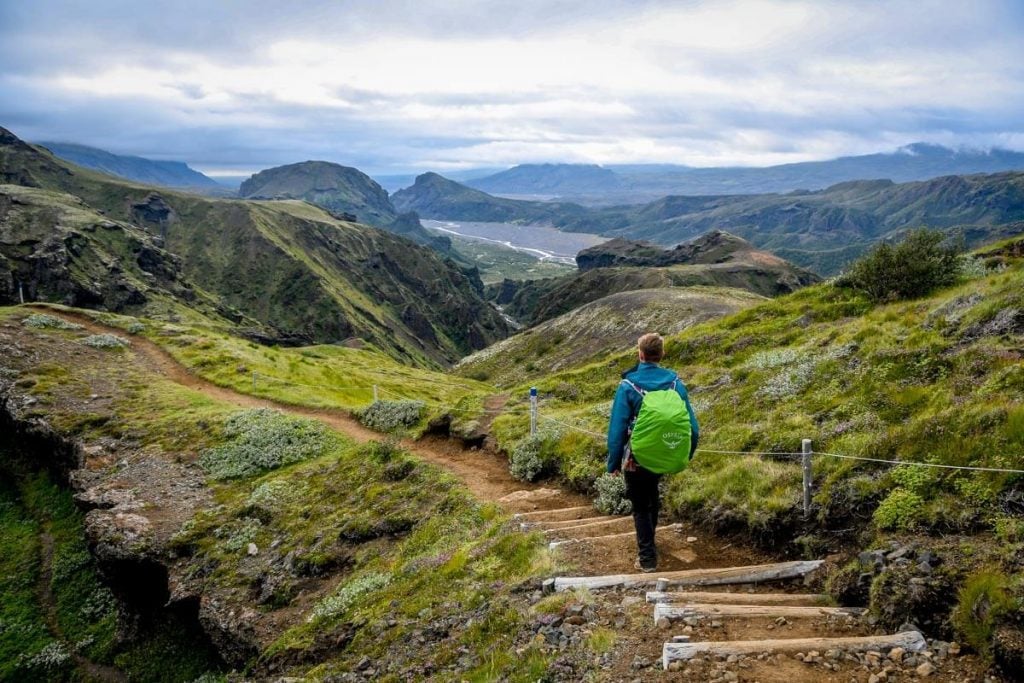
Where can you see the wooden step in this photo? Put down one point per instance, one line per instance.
(555, 514)
(909, 640)
(699, 610)
(806, 599)
(671, 528)
(591, 528)
(569, 523)
(693, 577)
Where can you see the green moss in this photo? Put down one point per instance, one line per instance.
(981, 601)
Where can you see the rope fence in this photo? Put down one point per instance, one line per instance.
(806, 454)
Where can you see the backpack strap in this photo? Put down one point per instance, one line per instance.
(635, 388)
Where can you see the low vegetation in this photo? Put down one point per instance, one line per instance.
(914, 267)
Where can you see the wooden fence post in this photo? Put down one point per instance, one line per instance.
(533, 411)
(807, 475)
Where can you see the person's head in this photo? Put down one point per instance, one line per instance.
(651, 347)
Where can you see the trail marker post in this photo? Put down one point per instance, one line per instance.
(254, 380)
(533, 411)
(374, 393)
(21, 294)
(807, 452)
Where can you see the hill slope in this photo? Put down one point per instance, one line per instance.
(612, 323)
(149, 171)
(716, 260)
(346, 192)
(303, 274)
(550, 179)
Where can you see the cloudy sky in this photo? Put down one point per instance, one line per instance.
(397, 86)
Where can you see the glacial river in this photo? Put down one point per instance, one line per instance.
(546, 244)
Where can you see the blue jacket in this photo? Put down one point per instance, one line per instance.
(650, 377)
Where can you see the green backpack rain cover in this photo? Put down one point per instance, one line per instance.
(661, 435)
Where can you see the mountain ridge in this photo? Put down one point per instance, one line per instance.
(176, 174)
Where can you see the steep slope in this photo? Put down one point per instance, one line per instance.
(347, 193)
(610, 324)
(149, 171)
(287, 264)
(716, 260)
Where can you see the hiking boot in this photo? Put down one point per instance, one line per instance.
(646, 569)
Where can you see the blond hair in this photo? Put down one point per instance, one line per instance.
(651, 346)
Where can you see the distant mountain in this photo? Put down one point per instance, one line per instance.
(823, 229)
(635, 183)
(283, 271)
(393, 182)
(550, 179)
(434, 196)
(162, 173)
(346, 192)
(715, 260)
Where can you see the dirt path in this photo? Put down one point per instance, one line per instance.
(88, 669)
(484, 473)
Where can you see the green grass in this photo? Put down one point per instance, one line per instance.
(497, 262)
(984, 598)
(917, 381)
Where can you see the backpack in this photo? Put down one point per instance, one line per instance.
(661, 434)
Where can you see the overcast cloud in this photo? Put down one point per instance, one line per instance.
(406, 86)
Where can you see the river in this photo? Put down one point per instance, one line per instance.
(546, 244)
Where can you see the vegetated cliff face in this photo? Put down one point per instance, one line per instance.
(717, 259)
(595, 329)
(149, 171)
(301, 273)
(346, 192)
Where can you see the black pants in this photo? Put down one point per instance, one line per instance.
(642, 491)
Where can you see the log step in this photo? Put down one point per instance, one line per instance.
(569, 523)
(676, 612)
(908, 640)
(589, 526)
(805, 599)
(694, 577)
(661, 530)
(555, 515)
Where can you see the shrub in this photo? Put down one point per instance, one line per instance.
(338, 603)
(388, 416)
(105, 341)
(263, 439)
(611, 495)
(910, 269)
(982, 599)
(901, 510)
(41, 321)
(527, 462)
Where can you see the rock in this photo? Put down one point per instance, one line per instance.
(252, 549)
(907, 626)
(675, 666)
(896, 654)
(575, 620)
(925, 670)
(664, 624)
(691, 539)
(954, 648)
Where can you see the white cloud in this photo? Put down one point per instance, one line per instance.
(745, 81)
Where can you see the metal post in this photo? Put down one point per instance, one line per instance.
(21, 294)
(533, 410)
(254, 380)
(374, 393)
(807, 475)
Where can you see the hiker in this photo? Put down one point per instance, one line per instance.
(645, 444)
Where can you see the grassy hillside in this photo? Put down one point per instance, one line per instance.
(609, 324)
(357, 551)
(303, 274)
(933, 380)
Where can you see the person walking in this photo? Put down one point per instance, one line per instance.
(652, 431)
